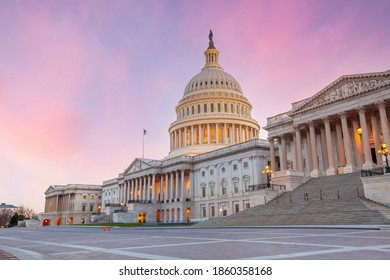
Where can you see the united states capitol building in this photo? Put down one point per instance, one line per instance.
(214, 167)
(215, 157)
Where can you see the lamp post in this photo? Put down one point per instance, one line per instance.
(268, 172)
(385, 151)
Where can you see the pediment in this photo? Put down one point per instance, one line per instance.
(344, 88)
(137, 165)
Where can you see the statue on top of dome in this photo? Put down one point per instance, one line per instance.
(211, 36)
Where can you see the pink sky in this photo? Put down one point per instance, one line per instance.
(79, 80)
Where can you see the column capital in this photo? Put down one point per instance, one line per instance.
(310, 123)
(342, 114)
(381, 104)
(325, 119)
(360, 109)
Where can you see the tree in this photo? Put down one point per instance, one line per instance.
(25, 211)
(5, 217)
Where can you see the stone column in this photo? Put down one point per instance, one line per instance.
(192, 135)
(368, 163)
(177, 185)
(358, 143)
(171, 186)
(224, 134)
(272, 154)
(148, 190)
(200, 134)
(133, 189)
(324, 150)
(328, 134)
(161, 194)
(308, 150)
(167, 193)
(185, 137)
(232, 134)
(315, 171)
(340, 144)
(282, 153)
(384, 122)
(137, 189)
(240, 131)
(208, 134)
(182, 184)
(216, 133)
(376, 136)
(298, 150)
(153, 187)
(191, 178)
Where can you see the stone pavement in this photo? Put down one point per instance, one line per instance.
(211, 243)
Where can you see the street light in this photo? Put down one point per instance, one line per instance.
(268, 172)
(385, 151)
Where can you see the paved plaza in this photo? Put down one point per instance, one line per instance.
(177, 243)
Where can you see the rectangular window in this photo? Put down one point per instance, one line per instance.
(246, 183)
(204, 212)
(203, 191)
(211, 171)
(212, 211)
(234, 167)
(91, 208)
(237, 208)
(224, 188)
(203, 174)
(84, 208)
(212, 191)
(92, 196)
(235, 186)
(84, 197)
(246, 164)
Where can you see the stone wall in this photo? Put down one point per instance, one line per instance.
(377, 188)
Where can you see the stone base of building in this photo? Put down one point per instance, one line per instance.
(377, 188)
(290, 178)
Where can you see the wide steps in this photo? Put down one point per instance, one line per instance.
(325, 200)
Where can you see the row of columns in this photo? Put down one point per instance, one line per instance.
(57, 203)
(169, 186)
(363, 156)
(197, 134)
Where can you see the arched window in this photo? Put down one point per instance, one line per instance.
(193, 109)
(198, 108)
(219, 107)
(231, 108)
(205, 108)
(225, 107)
(212, 108)
(188, 111)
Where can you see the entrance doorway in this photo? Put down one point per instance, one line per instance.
(142, 217)
(188, 214)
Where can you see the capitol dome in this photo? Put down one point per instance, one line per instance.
(213, 112)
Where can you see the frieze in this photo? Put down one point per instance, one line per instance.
(339, 91)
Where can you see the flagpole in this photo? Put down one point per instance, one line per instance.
(143, 143)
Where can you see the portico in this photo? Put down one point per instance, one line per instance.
(338, 130)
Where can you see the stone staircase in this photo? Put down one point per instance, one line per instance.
(329, 200)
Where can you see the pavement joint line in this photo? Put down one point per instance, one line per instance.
(320, 252)
(174, 244)
(22, 254)
(95, 249)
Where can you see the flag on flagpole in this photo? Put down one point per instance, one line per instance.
(145, 132)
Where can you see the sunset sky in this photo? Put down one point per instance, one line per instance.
(80, 80)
